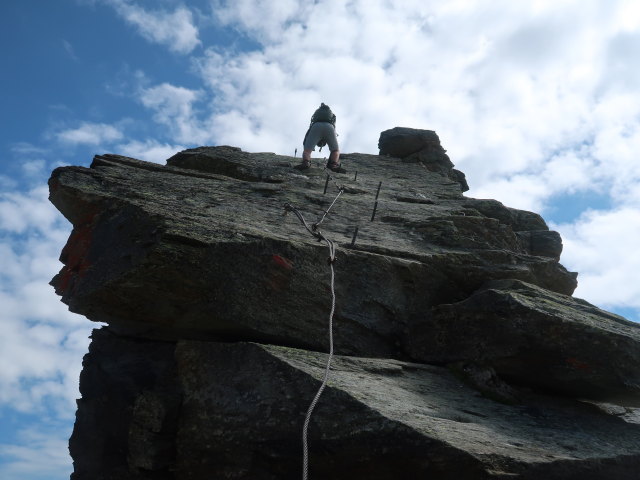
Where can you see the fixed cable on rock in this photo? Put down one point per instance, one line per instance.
(313, 230)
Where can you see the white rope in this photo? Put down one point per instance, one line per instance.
(305, 446)
(314, 230)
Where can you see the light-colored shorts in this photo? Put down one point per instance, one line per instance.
(321, 131)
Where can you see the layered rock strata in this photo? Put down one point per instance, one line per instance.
(462, 353)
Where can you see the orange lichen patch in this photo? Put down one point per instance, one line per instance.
(278, 273)
(282, 262)
(75, 253)
(578, 364)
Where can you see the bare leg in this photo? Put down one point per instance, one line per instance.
(334, 158)
(306, 160)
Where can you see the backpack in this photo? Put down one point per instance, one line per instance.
(323, 114)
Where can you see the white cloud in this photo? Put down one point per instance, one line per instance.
(258, 17)
(149, 150)
(25, 148)
(90, 134)
(38, 454)
(505, 85)
(20, 211)
(602, 246)
(173, 107)
(7, 183)
(519, 191)
(175, 30)
(68, 48)
(33, 168)
(41, 347)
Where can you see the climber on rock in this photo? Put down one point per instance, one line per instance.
(321, 132)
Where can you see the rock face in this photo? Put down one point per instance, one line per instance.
(460, 351)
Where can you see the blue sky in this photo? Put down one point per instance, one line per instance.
(537, 102)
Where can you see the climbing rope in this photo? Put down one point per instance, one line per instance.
(307, 419)
(313, 230)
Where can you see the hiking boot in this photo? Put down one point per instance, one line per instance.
(305, 165)
(335, 167)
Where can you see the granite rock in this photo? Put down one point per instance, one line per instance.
(413, 145)
(531, 336)
(200, 248)
(461, 352)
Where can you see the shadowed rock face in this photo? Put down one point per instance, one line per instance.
(445, 305)
(234, 410)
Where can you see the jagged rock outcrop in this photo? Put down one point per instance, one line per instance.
(421, 146)
(461, 351)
